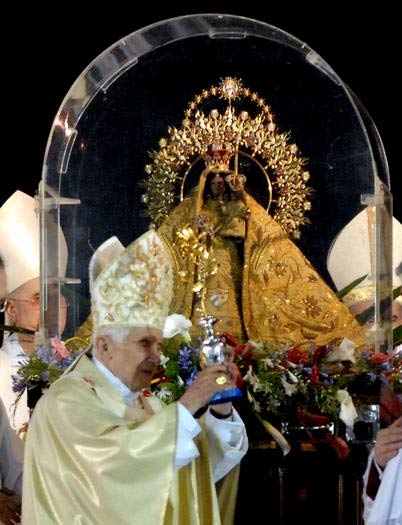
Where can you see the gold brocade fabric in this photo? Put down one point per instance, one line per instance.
(91, 460)
(265, 289)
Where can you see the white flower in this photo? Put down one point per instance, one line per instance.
(164, 393)
(177, 324)
(267, 363)
(347, 412)
(344, 352)
(289, 389)
(292, 377)
(164, 360)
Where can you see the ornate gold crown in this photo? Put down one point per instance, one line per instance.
(220, 137)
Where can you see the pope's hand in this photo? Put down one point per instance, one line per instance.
(389, 441)
(210, 380)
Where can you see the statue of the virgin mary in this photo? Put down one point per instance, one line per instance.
(260, 286)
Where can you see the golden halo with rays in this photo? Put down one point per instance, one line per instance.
(219, 137)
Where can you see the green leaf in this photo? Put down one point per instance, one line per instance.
(349, 287)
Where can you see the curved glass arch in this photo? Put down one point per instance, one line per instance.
(127, 98)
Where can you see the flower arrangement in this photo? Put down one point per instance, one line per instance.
(179, 368)
(41, 368)
(309, 387)
(292, 384)
(395, 376)
(179, 361)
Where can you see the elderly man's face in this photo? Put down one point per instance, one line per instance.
(359, 308)
(134, 361)
(23, 305)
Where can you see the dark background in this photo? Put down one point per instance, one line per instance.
(50, 48)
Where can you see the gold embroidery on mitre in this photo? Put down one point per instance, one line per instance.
(136, 289)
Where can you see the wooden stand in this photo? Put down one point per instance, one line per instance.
(309, 485)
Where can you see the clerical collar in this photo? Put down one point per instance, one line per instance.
(13, 348)
(128, 395)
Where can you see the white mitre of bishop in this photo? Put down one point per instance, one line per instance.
(19, 244)
(133, 286)
(352, 256)
(19, 241)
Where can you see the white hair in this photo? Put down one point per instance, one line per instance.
(117, 333)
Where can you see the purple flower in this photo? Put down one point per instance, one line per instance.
(45, 354)
(184, 361)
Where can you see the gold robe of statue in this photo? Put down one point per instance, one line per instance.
(265, 289)
(91, 460)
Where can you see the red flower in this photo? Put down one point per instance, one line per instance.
(309, 419)
(379, 358)
(315, 375)
(229, 339)
(298, 356)
(319, 353)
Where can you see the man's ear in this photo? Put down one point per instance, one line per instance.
(102, 346)
(11, 311)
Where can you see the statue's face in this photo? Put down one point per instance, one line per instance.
(217, 186)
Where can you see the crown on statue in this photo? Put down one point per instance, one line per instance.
(219, 135)
(217, 157)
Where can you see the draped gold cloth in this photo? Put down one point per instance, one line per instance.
(265, 289)
(92, 460)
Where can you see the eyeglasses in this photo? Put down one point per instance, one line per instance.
(34, 300)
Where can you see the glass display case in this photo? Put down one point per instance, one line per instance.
(310, 152)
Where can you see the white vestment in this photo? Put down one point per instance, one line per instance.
(386, 509)
(11, 354)
(11, 455)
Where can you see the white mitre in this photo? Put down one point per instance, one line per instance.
(350, 256)
(19, 241)
(133, 286)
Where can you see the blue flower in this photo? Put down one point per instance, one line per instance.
(44, 353)
(185, 362)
